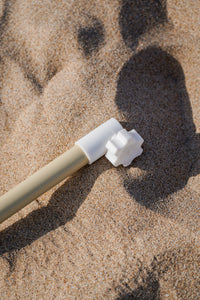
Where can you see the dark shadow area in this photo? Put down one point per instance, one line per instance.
(148, 291)
(6, 11)
(35, 82)
(61, 208)
(178, 268)
(90, 38)
(139, 17)
(151, 93)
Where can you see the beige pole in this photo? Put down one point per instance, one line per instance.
(119, 145)
(41, 181)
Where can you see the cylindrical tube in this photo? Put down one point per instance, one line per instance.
(41, 181)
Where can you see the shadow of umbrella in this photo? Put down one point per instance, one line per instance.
(151, 93)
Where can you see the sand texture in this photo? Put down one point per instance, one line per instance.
(106, 233)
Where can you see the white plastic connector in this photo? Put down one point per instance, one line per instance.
(121, 146)
(94, 143)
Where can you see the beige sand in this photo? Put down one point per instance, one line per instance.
(105, 233)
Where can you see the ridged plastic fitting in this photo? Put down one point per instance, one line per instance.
(94, 143)
(124, 147)
(119, 145)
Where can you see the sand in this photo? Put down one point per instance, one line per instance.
(105, 233)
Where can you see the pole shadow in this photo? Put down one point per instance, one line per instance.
(62, 208)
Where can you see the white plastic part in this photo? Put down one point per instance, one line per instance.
(94, 143)
(121, 146)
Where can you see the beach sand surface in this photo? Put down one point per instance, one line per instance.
(104, 233)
